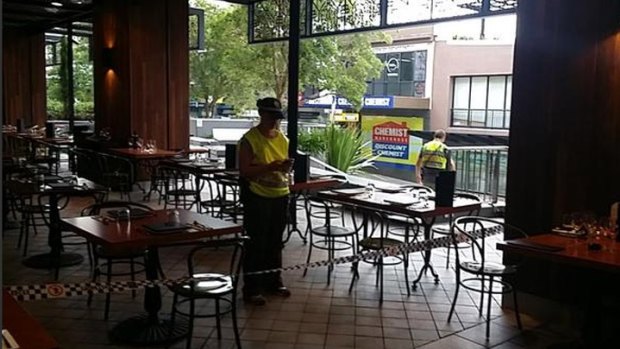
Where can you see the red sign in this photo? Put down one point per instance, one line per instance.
(391, 132)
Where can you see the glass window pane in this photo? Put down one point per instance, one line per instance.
(496, 92)
(406, 89)
(495, 119)
(477, 118)
(392, 65)
(508, 92)
(379, 88)
(419, 68)
(459, 117)
(478, 92)
(419, 89)
(392, 89)
(461, 93)
(406, 67)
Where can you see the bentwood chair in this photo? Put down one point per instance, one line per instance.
(444, 228)
(214, 284)
(484, 271)
(110, 258)
(327, 236)
(379, 240)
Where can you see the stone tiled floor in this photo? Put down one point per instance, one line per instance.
(315, 316)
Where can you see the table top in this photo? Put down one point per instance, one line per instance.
(195, 167)
(427, 209)
(574, 251)
(81, 186)
(315, 184)
(25, 329)
(139, 154)
(121, 234)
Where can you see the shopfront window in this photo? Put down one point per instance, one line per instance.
(404, 74)
(481, 101)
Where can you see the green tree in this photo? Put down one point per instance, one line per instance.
(232, 69)
(224, 69)
(57, 82)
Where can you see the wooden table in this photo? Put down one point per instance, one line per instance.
(25, 329)
(574, 251)
(425, 213)
(148, 159)
(148, 329)
(56, 258)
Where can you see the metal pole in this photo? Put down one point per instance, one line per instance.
(70, 91)
(293, 75)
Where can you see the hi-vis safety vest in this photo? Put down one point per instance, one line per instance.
(266, 150)
(433, 155)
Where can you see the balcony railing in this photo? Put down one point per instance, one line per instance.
(481, 170)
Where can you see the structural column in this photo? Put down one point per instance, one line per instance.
(23, 81)
(141, 62)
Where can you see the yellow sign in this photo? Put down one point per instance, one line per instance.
(389, 136)
(346, 117)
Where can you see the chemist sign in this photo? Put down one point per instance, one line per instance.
(388, 136)
(391, 140)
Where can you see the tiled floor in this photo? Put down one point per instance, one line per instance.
(315, 316)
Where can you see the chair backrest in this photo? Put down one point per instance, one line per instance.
(96, 209)
(314, 204)
(211, 257)
(477, 229)
(470, 196)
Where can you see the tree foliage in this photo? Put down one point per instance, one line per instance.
(232, 69)
(57, 82)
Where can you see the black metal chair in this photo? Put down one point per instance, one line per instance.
(223, 197)
(379, 222)
(444, 228)
(117, 173)
(213, 284)
(116, 257)
(477, 229)
(178, 188)
(330, 237)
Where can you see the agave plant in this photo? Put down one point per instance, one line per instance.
(346, 149)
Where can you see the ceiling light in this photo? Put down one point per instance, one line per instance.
(56, 3)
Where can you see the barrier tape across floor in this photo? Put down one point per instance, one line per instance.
(58, 290)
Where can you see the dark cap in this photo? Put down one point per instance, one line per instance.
(270, 105)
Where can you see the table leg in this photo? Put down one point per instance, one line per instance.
(197, 189)
(292, 220)
(56, 258)
(428, 225)
(150, 328)
(152, 171)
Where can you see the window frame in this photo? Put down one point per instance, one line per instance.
(505, 124)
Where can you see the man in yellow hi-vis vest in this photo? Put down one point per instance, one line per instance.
(264, 166)
(434, 157)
